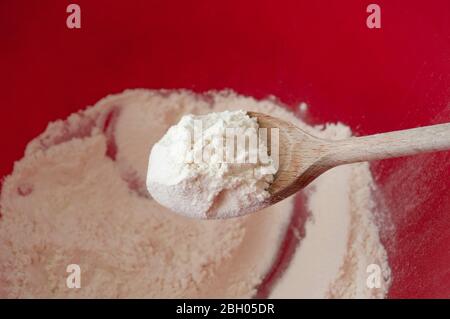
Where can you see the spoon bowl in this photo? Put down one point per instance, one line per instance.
(300, 156)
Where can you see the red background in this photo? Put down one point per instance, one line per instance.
(320, 52)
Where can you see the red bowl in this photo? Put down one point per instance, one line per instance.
(322, 53)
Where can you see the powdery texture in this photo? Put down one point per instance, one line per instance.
(188, 170)
(341, 240)
(341, 237)
(79, 197)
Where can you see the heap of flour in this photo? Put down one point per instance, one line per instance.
(78, 196)
(189, 172)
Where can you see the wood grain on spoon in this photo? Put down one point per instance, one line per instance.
(303, 157)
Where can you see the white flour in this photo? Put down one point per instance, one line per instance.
(189, 173)
(79, 196)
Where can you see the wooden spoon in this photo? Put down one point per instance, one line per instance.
(303, 157)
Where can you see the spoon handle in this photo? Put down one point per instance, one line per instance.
(393, 144)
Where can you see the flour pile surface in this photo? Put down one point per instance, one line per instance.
(79, 196)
